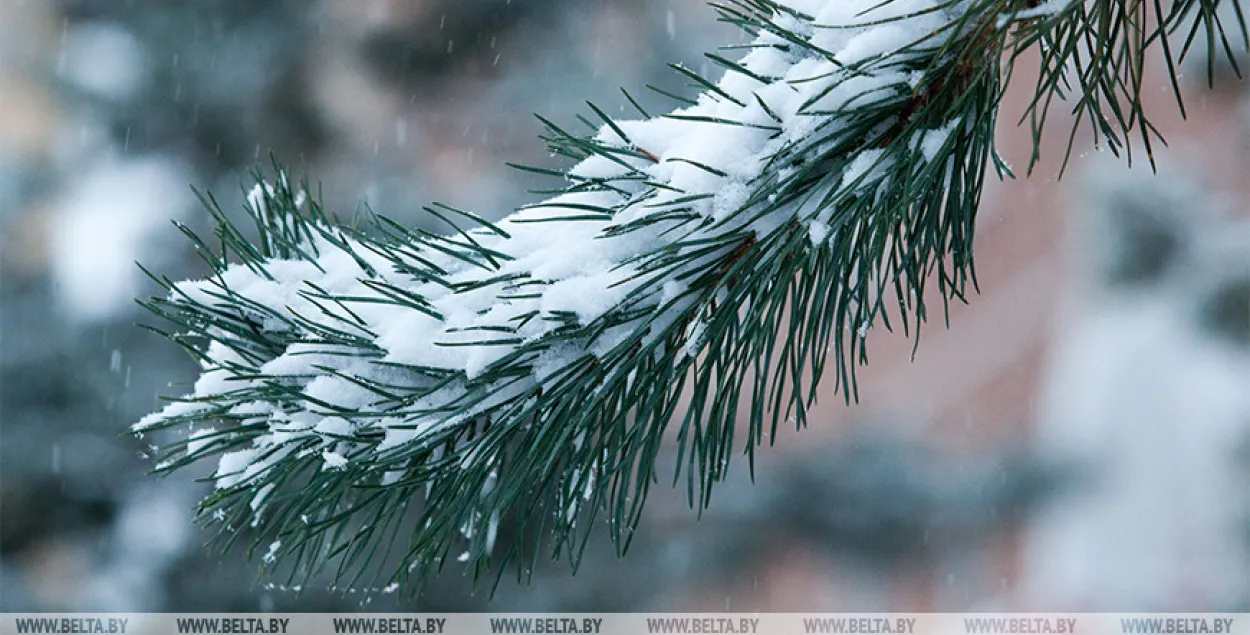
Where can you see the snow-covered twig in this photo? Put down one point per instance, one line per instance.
(526, 369)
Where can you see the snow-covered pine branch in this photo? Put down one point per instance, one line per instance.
(526, 369)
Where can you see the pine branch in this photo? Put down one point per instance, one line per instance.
(737, 250)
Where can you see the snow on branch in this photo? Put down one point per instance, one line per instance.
(526, 369)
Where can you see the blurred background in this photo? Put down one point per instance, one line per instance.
(1078, 439)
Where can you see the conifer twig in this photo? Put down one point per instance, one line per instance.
(379, 394)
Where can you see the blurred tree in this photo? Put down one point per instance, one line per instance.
(1147, 404)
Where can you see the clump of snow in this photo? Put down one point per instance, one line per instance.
(671, 290)
(932, 141)
(333, 460)
(863, 168)
(589, 296)
(199, 439)
(492, 532)
(730, 199)
(334, 426)
(817, 232)
(258, 501)
(555, 359)
(694, 337)
(259, 196)
(271, 556)
(232, 465)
